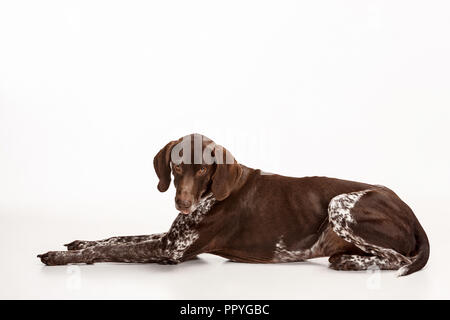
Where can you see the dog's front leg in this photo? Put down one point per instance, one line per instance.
(83, 244)
(172, 248)
(183, 241)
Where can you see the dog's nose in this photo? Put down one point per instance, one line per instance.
(184, 203)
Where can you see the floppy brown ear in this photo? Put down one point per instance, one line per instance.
(225, 178)
(161, 163)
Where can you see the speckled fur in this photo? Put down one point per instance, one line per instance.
(164, 248)
(183, 233)
(356, 262)
(341, 219)
(82, 244)
(264, 218)
(283, 254)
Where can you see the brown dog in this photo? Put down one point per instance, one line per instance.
(245, 215)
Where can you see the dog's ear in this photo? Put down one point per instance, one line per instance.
(227, 174)
(161, 163)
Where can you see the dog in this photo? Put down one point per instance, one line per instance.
(245, 215)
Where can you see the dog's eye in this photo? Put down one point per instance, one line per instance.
(201, 171)
(177, 169)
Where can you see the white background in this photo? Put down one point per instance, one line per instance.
(91, 90)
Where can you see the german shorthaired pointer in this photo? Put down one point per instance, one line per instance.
(245, 215)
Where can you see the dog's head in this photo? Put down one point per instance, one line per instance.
(199, 167)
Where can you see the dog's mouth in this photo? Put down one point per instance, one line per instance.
(195, 205)
(188, 210)
(185, 211)
(192, 208)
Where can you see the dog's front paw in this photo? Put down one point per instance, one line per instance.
(52, 258)
(78, 244)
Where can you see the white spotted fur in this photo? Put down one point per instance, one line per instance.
(339, 211)
(340, 219)
(184, 231)
(282, 254)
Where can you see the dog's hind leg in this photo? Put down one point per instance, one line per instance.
(357, 262)
(83, 244)
(378, 223)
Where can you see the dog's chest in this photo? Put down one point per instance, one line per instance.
(184, 231)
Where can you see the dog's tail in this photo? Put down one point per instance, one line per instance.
(423, 252)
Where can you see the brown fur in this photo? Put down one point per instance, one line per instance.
(251, 211)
